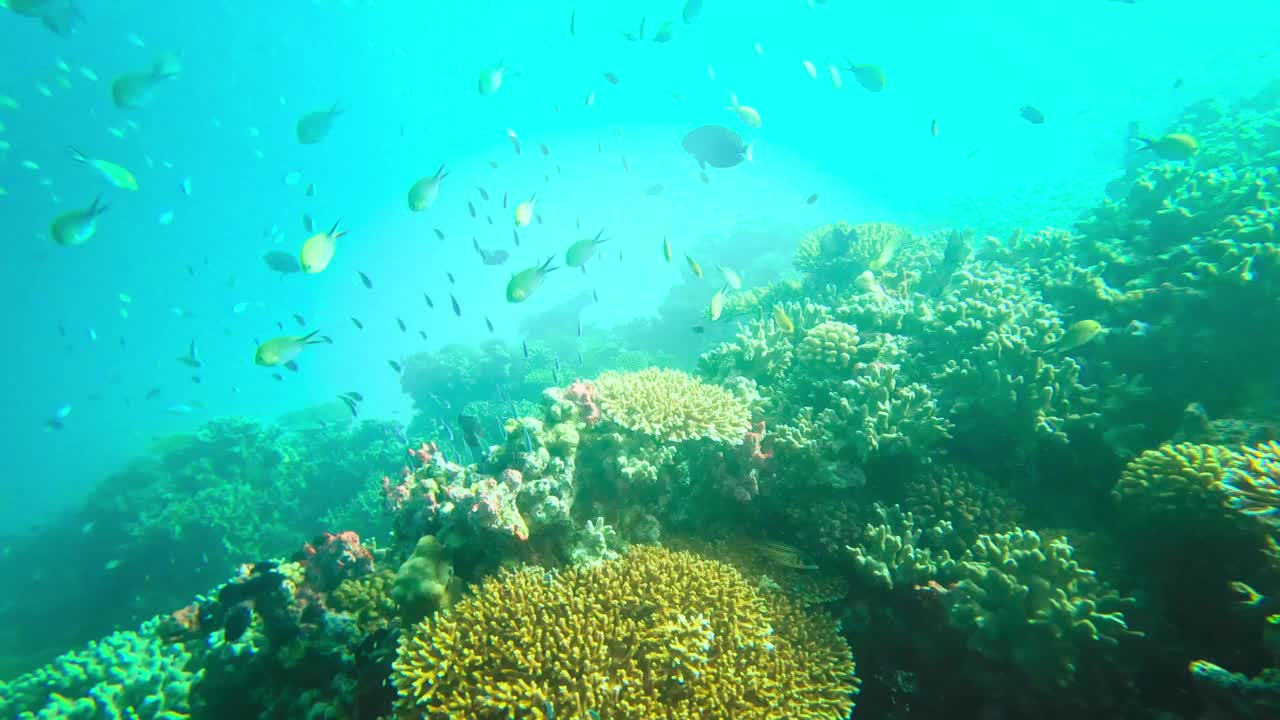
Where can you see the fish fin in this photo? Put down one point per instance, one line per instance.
(292, 365)
(1146, 142)
(441, 174)
(747, 152)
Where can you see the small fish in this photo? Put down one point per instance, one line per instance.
(490, 79)
(1078, 334)
(626, 166)
(351, 401)
(1174, 146)
(449, 275)
(524, 283)
(488, 323)
(484, 194)
(580, 252)
(395, 366)
(524, 211)
(809, 70)
(731, 278)
(524, 345)
(933, 127)
(579, 327)
(693, 265)
(284, 349)
(692, 9)
(717, 305)
(590, 99)
(747, 114)
(423, 334)
(595, 296)
(471, 208)
(457, 309)
(403, 327)
(423, 193)
(315, 126)
(666, 248)
(515, 236)
(504, 200)
(186, 187)
(546, 151)
(1250, 597)
(282, 262)
(837, 82)
(811, 199)
(192, 358)
(870, 77)
(302, 322)
(782, 554)
(581, 362)
(515, 141)
(77, 227)
(428, 299)
(783, 320)
(317, 252)
(355, 321)
(113, 173)
(654, 189)
(704, 177)
(698, 329)
(311, 190)
(612, 78)
(1031, 114)
(365, 280)
(573, 23)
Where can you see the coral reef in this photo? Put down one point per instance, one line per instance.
(672, 406)
(425, 582)
(604, 640)
(128, 675)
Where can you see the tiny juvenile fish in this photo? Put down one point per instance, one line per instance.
(693, 265)
(488, 323)
(428, 299)
(812, 199)
(1031, 114)
(359, 325)
(457, 309)
(449, 275)
(484, 194)
(302, 322)
(403, 327)
(439, 233)
(395, 366)
(365, 280)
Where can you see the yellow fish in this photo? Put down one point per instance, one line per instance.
(77, 227)
(697, 271)
(886, 253)
(1079, 334)
(523, 283)
(284, 349)
(731, 278)
(784, 321)
(524, 211)
(666, 248)
(1174, 146)
(114, 174)
(717, 305)
(423, 194)
(317, 251)
(747, 114)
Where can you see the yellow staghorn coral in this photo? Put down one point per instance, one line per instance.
(654, 634)
(673, 406)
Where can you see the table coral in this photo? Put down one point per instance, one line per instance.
(673, 406)
(604, 640)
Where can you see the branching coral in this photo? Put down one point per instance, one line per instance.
(653, 634)
(963, 497)
(1028, 602)
(1177, 485)
(877, 415)
(841, 250)
(671, 405)
(1253, 486)
(894, 551)
(125, 676)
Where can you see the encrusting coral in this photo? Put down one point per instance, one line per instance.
(653, 634)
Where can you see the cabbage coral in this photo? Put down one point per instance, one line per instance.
(673, 406)
(655, 634)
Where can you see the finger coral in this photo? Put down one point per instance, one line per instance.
(655, 634)
(673, 406)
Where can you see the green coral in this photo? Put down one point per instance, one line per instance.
(1026, 601)
(368, 599)
(962, 496)
(127, 675)
(895, 551)
(425, 582)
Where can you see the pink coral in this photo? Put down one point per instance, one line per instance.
(584, 393)
(425, 454)
(332, 558)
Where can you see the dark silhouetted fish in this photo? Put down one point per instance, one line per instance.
(395, 366)
(484, 194)
(359, 325)
(428, 299)
(471, 433)
(1031, 114)
(439, 233)
(365, 279)
(488, 323)
(457, 309)
(279, 261)
(716, 146)
(471, 208)
(403, 327)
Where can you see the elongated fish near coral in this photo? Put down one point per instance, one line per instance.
(782, 554)
(112, 172)
(77, 227)
(284, 350)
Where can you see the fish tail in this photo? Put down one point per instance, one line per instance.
(308, 338)
(97, 208)
(547, 266)
(599, 239)
(476, 244)
(334, 232)
(1146, 142)
(77, 155)
(441, 174)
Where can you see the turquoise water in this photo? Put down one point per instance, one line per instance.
(96, 331)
